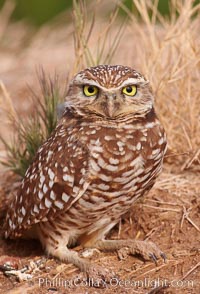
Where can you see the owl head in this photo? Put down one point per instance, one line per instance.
(110, 92)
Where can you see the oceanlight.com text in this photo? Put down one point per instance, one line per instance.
(114, 283)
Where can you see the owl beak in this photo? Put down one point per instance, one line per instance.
(110, 107)
(111, 104)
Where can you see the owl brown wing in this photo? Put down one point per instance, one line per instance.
(56, 179)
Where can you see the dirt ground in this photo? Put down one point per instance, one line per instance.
(168, 215)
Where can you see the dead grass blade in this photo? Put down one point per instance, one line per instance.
(105, 45)
(6, 104)
(191, 271)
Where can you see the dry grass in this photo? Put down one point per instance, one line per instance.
(169, 55)
(167, 51)
(104, 50)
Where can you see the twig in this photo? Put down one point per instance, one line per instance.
(186, 216)
(4, 94)
(64, 268)
(162, 208)
(150, 233)
(178, 154)
(187, 137)
(188, 163)
(163, 202)
(155, 269)
(130, 273)
(190, 271)
(119, 229)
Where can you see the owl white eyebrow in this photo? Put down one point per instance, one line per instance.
(130, 81)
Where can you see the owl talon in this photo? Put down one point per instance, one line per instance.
(148, 250)
(154, 258)
(163, 256)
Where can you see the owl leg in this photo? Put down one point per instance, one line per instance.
(57, 246)
(99, 274)
(148, 250)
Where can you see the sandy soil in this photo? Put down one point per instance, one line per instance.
(168, 216)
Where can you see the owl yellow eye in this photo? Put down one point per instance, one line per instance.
(130, 90)
(90, 90)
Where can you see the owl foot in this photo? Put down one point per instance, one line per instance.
(96, 275)
(146, 249)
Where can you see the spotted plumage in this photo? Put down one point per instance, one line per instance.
(105, 153)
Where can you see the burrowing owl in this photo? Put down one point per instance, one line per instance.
(105, 153)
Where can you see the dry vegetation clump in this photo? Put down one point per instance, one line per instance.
(169, 55)
(167, 51)
(30, 133)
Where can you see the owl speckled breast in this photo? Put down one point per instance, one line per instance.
(125, 160)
